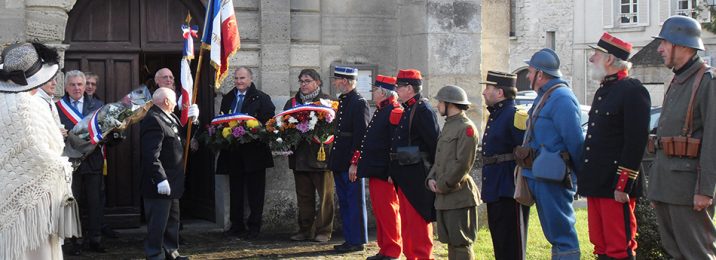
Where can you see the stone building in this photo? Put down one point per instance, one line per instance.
(537, 24)
(635, 21)
(126, 41)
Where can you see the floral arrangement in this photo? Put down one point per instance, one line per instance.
(311, 122)
(91, 130)
(226, 131)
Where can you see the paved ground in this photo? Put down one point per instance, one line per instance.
(206, 241)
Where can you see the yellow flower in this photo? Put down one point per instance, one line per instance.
(226, 132)
(252, 123)
(232, 124)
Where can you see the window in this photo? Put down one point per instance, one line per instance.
(685, 8)
(550, 40)
(629, 12)
(512, 18)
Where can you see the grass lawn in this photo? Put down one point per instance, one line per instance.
(537, 245)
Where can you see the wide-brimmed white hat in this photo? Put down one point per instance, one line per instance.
(27, 66)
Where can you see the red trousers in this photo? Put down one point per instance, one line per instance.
(612, 227)
(386, 208)
(417, 233)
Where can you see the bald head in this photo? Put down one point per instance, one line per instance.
(165, 98)
(164, 78)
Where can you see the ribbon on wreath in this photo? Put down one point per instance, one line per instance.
(220, 119)
(321, 156)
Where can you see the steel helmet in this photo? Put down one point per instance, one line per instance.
(546, 60)
(682, 30)
(452, 94)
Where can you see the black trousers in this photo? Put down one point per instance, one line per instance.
(162, 216)
(506, 228)
(87, 189)
(251, 185)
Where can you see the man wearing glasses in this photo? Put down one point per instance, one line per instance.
(310, 175)
(417, 132)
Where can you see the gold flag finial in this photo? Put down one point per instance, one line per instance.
(188, 17)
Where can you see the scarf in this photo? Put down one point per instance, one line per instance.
(310, 96)
(35, 177)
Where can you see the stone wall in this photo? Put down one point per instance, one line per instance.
(533, 19)
(442, 38)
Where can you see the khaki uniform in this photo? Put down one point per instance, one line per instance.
(673, 181)
(456, 205)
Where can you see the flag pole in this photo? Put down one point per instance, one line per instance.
(193, 100)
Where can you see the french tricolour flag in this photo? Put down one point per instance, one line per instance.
(187, 82)
(220, 35)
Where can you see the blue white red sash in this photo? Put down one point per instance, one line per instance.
(220, 119)
(70, 111)
(310, 107)
(95, 133)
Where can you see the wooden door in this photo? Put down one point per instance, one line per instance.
(125, 42)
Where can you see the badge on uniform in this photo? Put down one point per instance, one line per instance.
(469, 131)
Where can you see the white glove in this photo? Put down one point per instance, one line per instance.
(193, 111)
(163, 188)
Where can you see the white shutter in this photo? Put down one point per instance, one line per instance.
(608, 17)
(643, 12)
(665, 10)
(705, 13)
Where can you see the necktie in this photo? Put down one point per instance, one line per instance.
(239, 103)
(74, 104)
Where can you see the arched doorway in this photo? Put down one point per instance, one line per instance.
(125, 42)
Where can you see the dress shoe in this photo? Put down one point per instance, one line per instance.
(346, 248)
(236, 232)
(109, 232)
(181, 257)
(375, 257)
(322, 238)
(299, 237)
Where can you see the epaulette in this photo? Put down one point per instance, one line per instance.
(396, 113)
(520, 121)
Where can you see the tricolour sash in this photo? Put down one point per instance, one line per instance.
(95, 132)
(70, 112)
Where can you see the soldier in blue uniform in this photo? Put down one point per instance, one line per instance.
(505, 129)
(418, 127)
(371, 162)
(351, 122)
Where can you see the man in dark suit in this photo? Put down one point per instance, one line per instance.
(162, 182)
(87, 179)
(246, 164)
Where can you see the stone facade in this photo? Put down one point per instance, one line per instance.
(592, 18)
(442, 38)
(539, 24)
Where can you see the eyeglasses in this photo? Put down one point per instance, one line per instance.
(400, 85)
(167, 77)
(302, 82)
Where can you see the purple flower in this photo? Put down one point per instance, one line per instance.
(211, 130)
(238, 132)
(303, 127)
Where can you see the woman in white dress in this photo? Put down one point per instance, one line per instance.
(34, 176)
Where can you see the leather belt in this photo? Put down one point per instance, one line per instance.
(487, 160)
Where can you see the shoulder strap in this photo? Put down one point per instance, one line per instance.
(410, 120)
(687, 130)
(293, 102)
(533, 117)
